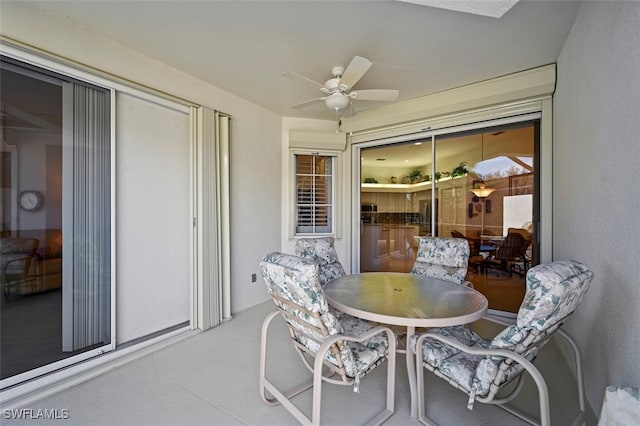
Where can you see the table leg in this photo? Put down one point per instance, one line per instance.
(411, 372)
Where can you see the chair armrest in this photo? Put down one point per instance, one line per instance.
(318, 362)
(525, 363)
(500, 320)
(17, 259)
(361, 338)
(473, 351)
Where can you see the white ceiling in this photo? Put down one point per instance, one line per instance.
(245, 46)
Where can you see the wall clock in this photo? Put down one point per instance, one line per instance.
(31, 201)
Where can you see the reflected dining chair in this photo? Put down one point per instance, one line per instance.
(323, 251)
(476, 260)
(332, 350)
(481, 367)
(511, 252)
(443, 258)
(16, 258)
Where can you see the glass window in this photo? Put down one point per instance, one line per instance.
(314, 194)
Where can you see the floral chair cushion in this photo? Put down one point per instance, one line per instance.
(323, 251)
(295, 279)
(443, 258)
(553, 292)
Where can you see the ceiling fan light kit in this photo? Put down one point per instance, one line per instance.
(336, 101)
(338, 88)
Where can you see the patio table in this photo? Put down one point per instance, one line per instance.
(406, 300)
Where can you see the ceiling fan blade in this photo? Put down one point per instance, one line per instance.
(375, 95)
(307, 103)
(289, 74)
(355, 71)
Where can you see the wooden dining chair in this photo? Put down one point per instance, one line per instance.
(481, 367)
(16, 258)
(334, 351)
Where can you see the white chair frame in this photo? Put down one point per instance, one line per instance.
(319, 361)
(510, 357)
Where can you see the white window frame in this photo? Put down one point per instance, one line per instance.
(335, 195)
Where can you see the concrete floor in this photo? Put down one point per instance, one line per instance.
(212, 379)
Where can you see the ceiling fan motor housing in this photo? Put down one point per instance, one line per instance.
(332, 84)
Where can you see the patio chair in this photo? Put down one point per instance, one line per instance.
(443, 258)
(16, 257)
(333, 351)
(481, 367)
(323, 251)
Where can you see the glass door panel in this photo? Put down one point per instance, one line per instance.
(482, 186)
(55, 235)
(395, 204)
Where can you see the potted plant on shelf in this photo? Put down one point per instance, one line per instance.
(415, 176)
(459, 170)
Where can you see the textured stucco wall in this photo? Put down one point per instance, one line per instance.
(596, 198)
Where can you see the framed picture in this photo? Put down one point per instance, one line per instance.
(521, 184)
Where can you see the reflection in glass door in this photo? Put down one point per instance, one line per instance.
(479, 185)
(56, 221)
(395, 204)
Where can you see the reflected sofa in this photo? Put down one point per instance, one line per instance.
(46, 266)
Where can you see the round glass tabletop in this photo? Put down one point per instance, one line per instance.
(405, 299)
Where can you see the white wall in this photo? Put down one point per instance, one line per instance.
(255, 153)
(596, 203)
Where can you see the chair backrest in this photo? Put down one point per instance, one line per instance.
(323, 251)
(514, 246)
(554, 291)
(443, 258)
(457, 234)
(525, 234)
(474, 243)
(294, 286)
(16, 255)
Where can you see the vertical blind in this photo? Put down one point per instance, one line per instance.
(87, 249)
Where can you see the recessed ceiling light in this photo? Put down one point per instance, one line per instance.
(418, 143)
(406, 161)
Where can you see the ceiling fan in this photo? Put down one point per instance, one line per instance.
(337, 90)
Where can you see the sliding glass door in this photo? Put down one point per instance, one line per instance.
(56, 221)
(479, 184)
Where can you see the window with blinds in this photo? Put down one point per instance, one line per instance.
(314, 194)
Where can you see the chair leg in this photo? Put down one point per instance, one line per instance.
(265, 385)
(422, 415)
(579, 377)
(278, 397)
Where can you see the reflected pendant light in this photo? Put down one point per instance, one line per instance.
(482, 191)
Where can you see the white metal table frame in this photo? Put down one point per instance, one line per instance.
(407, 300)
